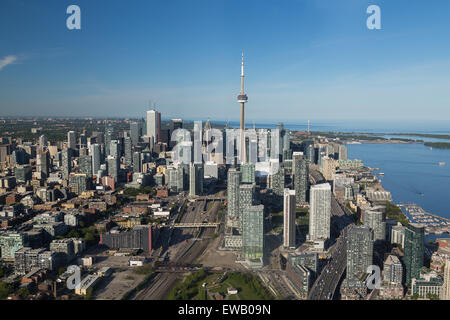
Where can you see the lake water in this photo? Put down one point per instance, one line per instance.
(367, 126)
(412, 173)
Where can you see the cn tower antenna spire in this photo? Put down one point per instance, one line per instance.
(242, 65)
(242, 99)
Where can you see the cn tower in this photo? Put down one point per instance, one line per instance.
(242, 99)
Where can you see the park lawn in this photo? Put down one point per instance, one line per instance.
(302, 217)
(246, 290)
(248, 285)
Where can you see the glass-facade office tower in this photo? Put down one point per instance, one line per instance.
(128, 151)
(72, 140)
(234, 180)
(113, 167)
(359, 251)
(109, 136)
(66, 158)
(277, 182)
(153, 125)
(137, 162)
(300, 171)
(135, 132)
(43, 163)
(253, 232)
(195, 179)
(85, 165)
(376, 221)
(320, 212)
(246, 199)
(180, 178)
(248, 173)
(96, 158)
(289, 213)
(413, 251)
(311, 153)
(114, 149)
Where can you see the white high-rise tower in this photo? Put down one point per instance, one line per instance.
(289, 227)
(153, 125)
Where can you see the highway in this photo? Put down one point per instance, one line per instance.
(325, 285)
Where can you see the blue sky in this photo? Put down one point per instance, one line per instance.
(305, 59)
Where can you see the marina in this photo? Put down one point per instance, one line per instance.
(433, 224)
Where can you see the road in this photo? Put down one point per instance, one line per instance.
(325, 285)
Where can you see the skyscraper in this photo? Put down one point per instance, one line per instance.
(109, 136)
(85, 165)
(171, 174)
(113, 167)
(153, 125)
(195, 179)
(253, 234)
(174, 125)
(234, 179)
(83, 140)
(342, 152)
(300, 172)
(359, 251)
(277, 182)
(66, 157)
(320, 212)
(328, 168)
(246, 199)
(137, 162)
(128, 151)
(413, 251)
(393, 270)
(287, 139)
(180, 178)
(289, 213)
(248, 173)
(72, 140)
(377, 222)
(43, 163)
(242, 99)
(96, 158)
(43, 142)
(135, 133)
(311, 153)
(114, 149)
(79, 183)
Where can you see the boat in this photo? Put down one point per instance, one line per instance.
(381, 173)
(442, 164)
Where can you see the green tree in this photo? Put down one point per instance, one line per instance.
(23, 292)
(73, 234)
(5, 290)
(89, 237)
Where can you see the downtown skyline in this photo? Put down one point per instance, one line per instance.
(304, 60)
